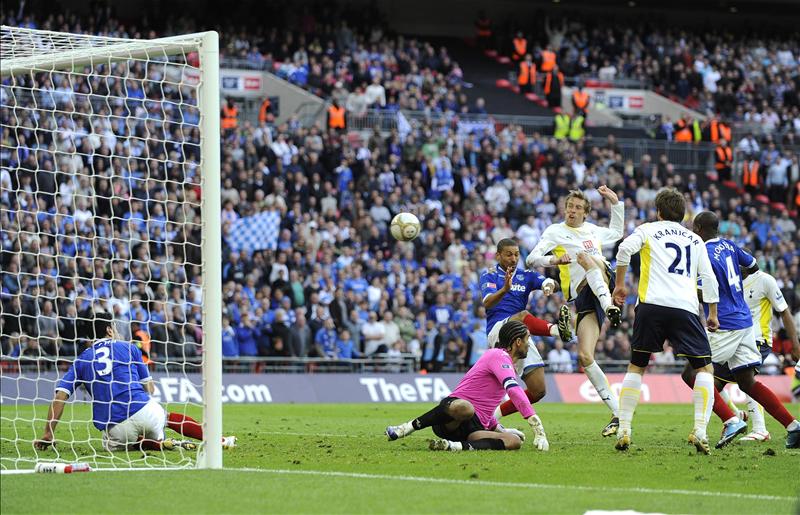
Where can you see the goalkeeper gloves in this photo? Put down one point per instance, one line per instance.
(539, 437)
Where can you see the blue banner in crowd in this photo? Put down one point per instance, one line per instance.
(257, 232)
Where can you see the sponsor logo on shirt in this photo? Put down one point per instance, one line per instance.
(588, 245)
(518, 287)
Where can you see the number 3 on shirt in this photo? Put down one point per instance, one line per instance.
(733, 277)
(103, 356)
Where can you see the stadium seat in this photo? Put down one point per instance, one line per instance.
(502, 83)
(778, 206)
(762, 198)
(503, 60)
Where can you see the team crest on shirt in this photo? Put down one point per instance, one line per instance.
(520, 278)
(505, 365)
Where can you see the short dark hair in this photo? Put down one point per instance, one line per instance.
(510, 331)
(506, 242)
(671, 204)
(102, 321)
(707, 222)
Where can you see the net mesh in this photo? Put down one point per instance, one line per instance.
(100, 213)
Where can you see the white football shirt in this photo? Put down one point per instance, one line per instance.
(672, 260)
(562, 239)
(763, 295)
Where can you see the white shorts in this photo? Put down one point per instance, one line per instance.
(735, 348)
(531, 361)
(148, 422)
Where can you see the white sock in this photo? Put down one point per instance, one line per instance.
(628, 399)
(600, 382)
(703, 399)
(597, 283)
(794, 426)
(553, 331)
(456, 446)
(756, 411)
(727, 398)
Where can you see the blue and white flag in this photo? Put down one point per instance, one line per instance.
(257, 232)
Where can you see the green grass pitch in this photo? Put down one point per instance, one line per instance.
(335, 459)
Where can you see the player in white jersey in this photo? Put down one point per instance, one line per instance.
(672, 259)
(576, 247)
(762, 295)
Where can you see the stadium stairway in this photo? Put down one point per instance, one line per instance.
(484, 73)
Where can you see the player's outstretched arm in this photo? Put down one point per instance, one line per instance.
(616, 226)
(539, 256)
(629, 246)
(53, 416)
(791, 332)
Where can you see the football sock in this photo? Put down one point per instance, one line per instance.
(149, 445)
(435, 417)
(756, 415)
(187, 426)
(482, 444)
(727, 398)
(628, 399)
(507, 408)
(702, 398)
(539, 327)
(722, 410)
(766, 398)
(597, 283)
(600, 383)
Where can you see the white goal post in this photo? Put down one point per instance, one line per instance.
(110, 163)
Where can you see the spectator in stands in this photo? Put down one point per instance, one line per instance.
(559, 359)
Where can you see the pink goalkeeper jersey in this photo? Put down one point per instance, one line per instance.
(487, 382)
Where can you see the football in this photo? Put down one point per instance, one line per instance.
(405, 226)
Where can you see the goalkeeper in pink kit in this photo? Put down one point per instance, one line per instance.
(464, 420)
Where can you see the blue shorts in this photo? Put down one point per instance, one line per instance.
(723, 373)
(586, 302)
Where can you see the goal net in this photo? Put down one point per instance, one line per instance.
(109, 163)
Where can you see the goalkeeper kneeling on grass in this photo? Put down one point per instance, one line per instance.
(465, 420)
(114, 375)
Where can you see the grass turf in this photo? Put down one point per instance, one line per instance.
(335, 459)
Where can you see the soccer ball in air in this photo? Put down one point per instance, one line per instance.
(405, 226)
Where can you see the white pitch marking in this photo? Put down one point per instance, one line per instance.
(502, 484)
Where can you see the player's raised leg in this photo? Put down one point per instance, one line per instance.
(443, 413)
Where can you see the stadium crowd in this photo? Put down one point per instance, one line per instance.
(752, 79)
(101, 216)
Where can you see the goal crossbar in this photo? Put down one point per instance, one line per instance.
(68, 58)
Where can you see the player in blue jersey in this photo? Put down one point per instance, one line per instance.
(114, 375)
(505, 291)
(733, 346)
